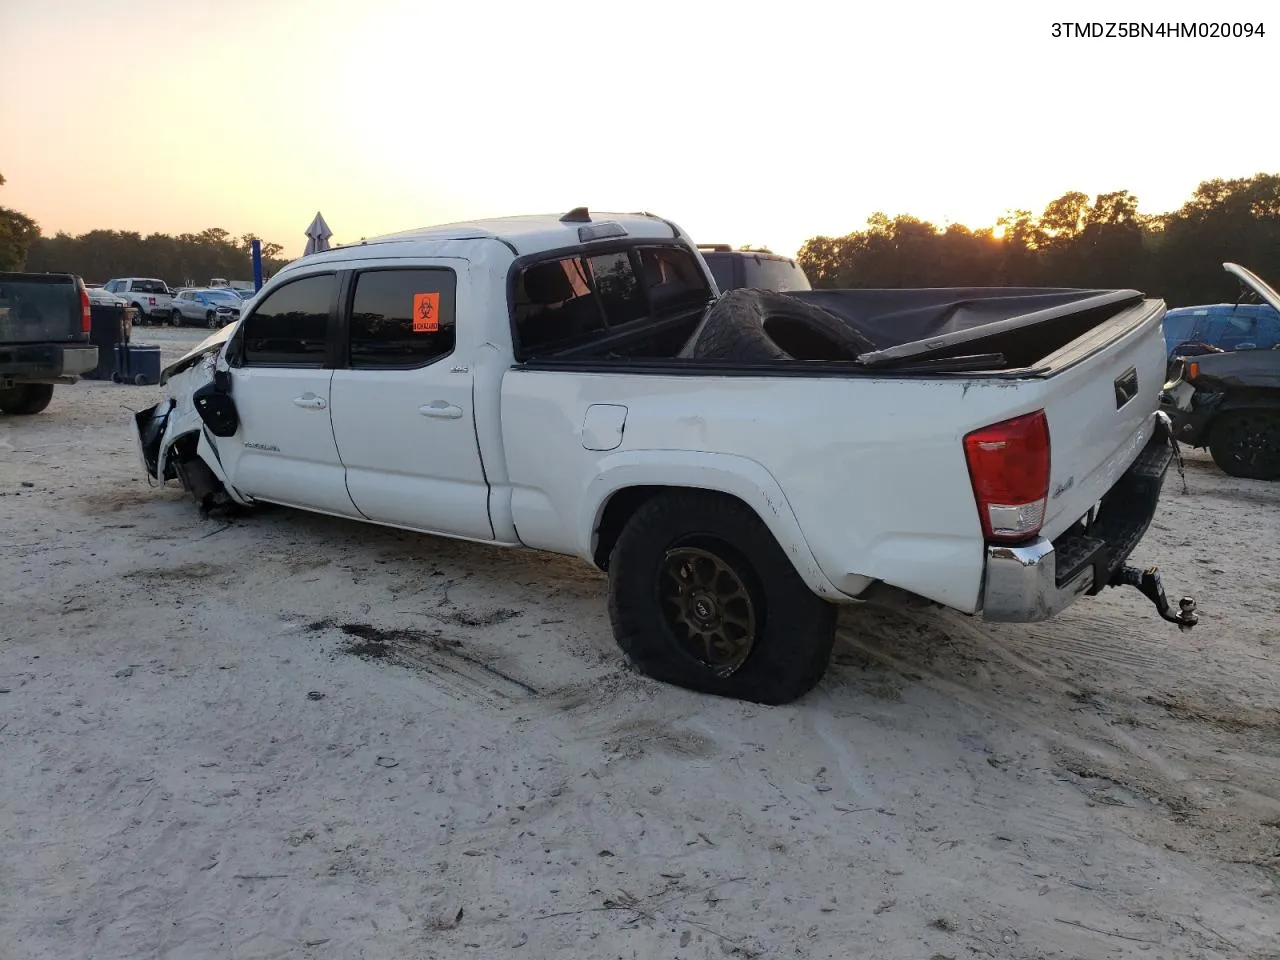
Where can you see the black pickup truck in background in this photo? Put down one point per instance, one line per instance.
(44, 338)
(757, 269)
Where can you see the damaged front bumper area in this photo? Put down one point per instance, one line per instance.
(171, 442)
(1037, 580)
(149, 430)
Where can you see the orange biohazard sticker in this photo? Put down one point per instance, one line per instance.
(426, 312)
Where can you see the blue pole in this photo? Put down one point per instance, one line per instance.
(255, 248)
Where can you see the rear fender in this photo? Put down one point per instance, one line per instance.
(723, 473)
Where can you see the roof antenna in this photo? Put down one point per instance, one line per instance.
(576, 215)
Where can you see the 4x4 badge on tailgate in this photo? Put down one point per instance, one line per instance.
(1126, 387)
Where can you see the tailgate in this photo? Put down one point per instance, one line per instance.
(1100, 404)
(39, 308)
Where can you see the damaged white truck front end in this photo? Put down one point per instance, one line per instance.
(171, 437)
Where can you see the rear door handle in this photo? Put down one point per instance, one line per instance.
(440, 410)
(309, 401)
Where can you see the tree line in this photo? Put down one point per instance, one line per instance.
(189, 259)
(1075, 242)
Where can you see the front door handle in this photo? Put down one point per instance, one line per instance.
(309, 401)
(441, 410)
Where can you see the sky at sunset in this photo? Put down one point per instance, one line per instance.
(745, 122)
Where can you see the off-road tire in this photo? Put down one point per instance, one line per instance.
(754, 325)
(795, 628)
(24, 399)
(1246, 443)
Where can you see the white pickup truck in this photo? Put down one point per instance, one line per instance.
(739, 464)
(152, 298)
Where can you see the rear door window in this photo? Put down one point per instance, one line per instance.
(402, 318)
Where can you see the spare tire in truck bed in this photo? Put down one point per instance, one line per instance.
(748, 324)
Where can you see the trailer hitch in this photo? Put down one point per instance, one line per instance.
(1148, 582)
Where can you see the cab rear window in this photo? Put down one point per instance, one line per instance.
(572, 300)
(38, 307)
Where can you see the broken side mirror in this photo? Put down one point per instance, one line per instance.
(222, 381)
(217, 410)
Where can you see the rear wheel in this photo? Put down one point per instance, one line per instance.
(701, 596)
(1246, 443)
(141, 315)
(26, 398)
(211, 319)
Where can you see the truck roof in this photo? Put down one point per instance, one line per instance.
(533, 233)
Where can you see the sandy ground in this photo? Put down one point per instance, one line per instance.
(291, 736)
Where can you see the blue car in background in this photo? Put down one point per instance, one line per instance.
(1221, 327)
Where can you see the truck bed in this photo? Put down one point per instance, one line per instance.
(962, 329)
(887, 436)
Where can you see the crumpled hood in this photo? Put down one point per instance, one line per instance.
(210, 344)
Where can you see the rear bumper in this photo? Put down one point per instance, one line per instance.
(1037, 580)
(46, 361)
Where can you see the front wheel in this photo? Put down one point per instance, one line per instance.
(211, 319)
(175, 318)
(26, 398)
(701, 596)
(1246, 443)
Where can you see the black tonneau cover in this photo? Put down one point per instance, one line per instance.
(940, 322)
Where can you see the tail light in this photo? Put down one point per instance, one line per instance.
(86, 315)
(1009, 468)
(151, 301)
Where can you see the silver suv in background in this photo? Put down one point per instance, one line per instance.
(758, 269)
(208, 307)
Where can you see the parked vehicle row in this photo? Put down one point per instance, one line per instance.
(737, 463)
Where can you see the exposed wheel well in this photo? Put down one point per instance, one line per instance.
(622, 506)
(180, 451)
